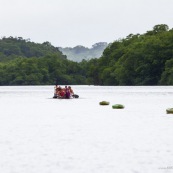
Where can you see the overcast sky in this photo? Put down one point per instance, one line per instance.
(68, 23)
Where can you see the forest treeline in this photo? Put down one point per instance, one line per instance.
(27, 63)
(140, 59)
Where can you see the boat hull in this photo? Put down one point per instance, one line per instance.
(71, 97)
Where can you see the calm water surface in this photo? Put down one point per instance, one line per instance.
(39, 134)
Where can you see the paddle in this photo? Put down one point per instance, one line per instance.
(75, 96)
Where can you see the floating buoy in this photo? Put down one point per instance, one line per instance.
(118, 106)
(104, 103)
(169, 111)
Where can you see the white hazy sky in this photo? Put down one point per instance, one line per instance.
(68, 23)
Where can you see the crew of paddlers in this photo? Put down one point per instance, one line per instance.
(66, 92)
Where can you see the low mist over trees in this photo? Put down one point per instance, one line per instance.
(140, 59)
(80, 53)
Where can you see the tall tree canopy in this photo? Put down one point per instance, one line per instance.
(140, 59)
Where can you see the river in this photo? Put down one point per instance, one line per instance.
(39, 134)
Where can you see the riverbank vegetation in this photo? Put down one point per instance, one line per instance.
(140, 59)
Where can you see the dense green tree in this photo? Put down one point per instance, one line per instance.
(145, 59)
(137, 59)
(167, 75)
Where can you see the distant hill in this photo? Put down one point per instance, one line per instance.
(78, 53)
(11, 48)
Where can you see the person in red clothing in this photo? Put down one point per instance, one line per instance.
(61, 92)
